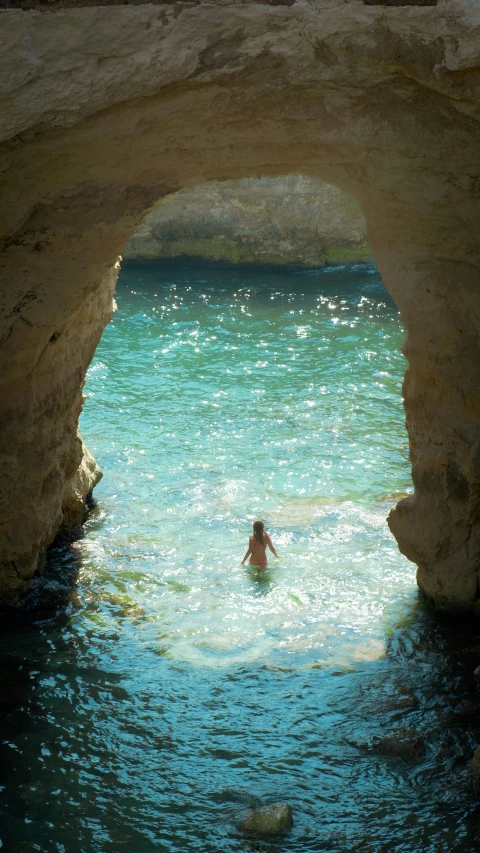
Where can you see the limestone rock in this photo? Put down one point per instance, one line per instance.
(293, 221)
(85, 477)
(267, 822)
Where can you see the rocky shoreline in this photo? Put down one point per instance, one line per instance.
(294, 221)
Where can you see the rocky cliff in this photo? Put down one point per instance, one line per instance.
(108, 108)
(295, 221)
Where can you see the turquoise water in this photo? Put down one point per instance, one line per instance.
(156, 686)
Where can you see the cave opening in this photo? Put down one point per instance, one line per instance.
(129, 722)
(256, 97)
(300, 420)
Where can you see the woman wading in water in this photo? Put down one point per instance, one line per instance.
(257, 546)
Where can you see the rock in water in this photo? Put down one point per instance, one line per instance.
(401, 744)
(265, 221)
(267, 822)
(474, 765)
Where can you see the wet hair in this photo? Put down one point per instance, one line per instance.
(258, 530)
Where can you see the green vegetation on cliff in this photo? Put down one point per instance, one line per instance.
(293, 221)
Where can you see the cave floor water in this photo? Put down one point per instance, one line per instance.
(153, 687)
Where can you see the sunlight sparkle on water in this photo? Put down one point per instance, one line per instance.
(161, 688)
(237, 439)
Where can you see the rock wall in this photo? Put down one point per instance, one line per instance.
(107, 110)
(294, 221)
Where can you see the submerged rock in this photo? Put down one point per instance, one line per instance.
(402, 744)
(403, 699)
(267, 822)
(126, 606)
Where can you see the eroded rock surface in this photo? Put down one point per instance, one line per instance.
(293, 221)
(267, 822)
(86, 474)
(106, 110)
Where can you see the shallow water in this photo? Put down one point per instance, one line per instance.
(158, 686)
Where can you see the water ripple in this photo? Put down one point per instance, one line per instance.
(161, 687)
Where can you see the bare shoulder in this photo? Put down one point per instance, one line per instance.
(267, 537)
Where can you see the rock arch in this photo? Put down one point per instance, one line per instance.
(107, 108)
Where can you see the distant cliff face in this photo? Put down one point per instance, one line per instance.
(294, 221)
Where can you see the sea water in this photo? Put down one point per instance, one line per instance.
(155, 686)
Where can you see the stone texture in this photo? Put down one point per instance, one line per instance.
(474, 764)
(293, 221)
(267, 822)
(107, 110)
(403, 744)
(85, 476)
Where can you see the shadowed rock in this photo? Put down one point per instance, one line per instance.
(402, 744)
(474, 765)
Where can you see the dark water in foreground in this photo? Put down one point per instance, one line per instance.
(159, 687)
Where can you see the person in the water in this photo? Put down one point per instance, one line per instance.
(257, 546)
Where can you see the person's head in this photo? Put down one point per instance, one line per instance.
(258, 530)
